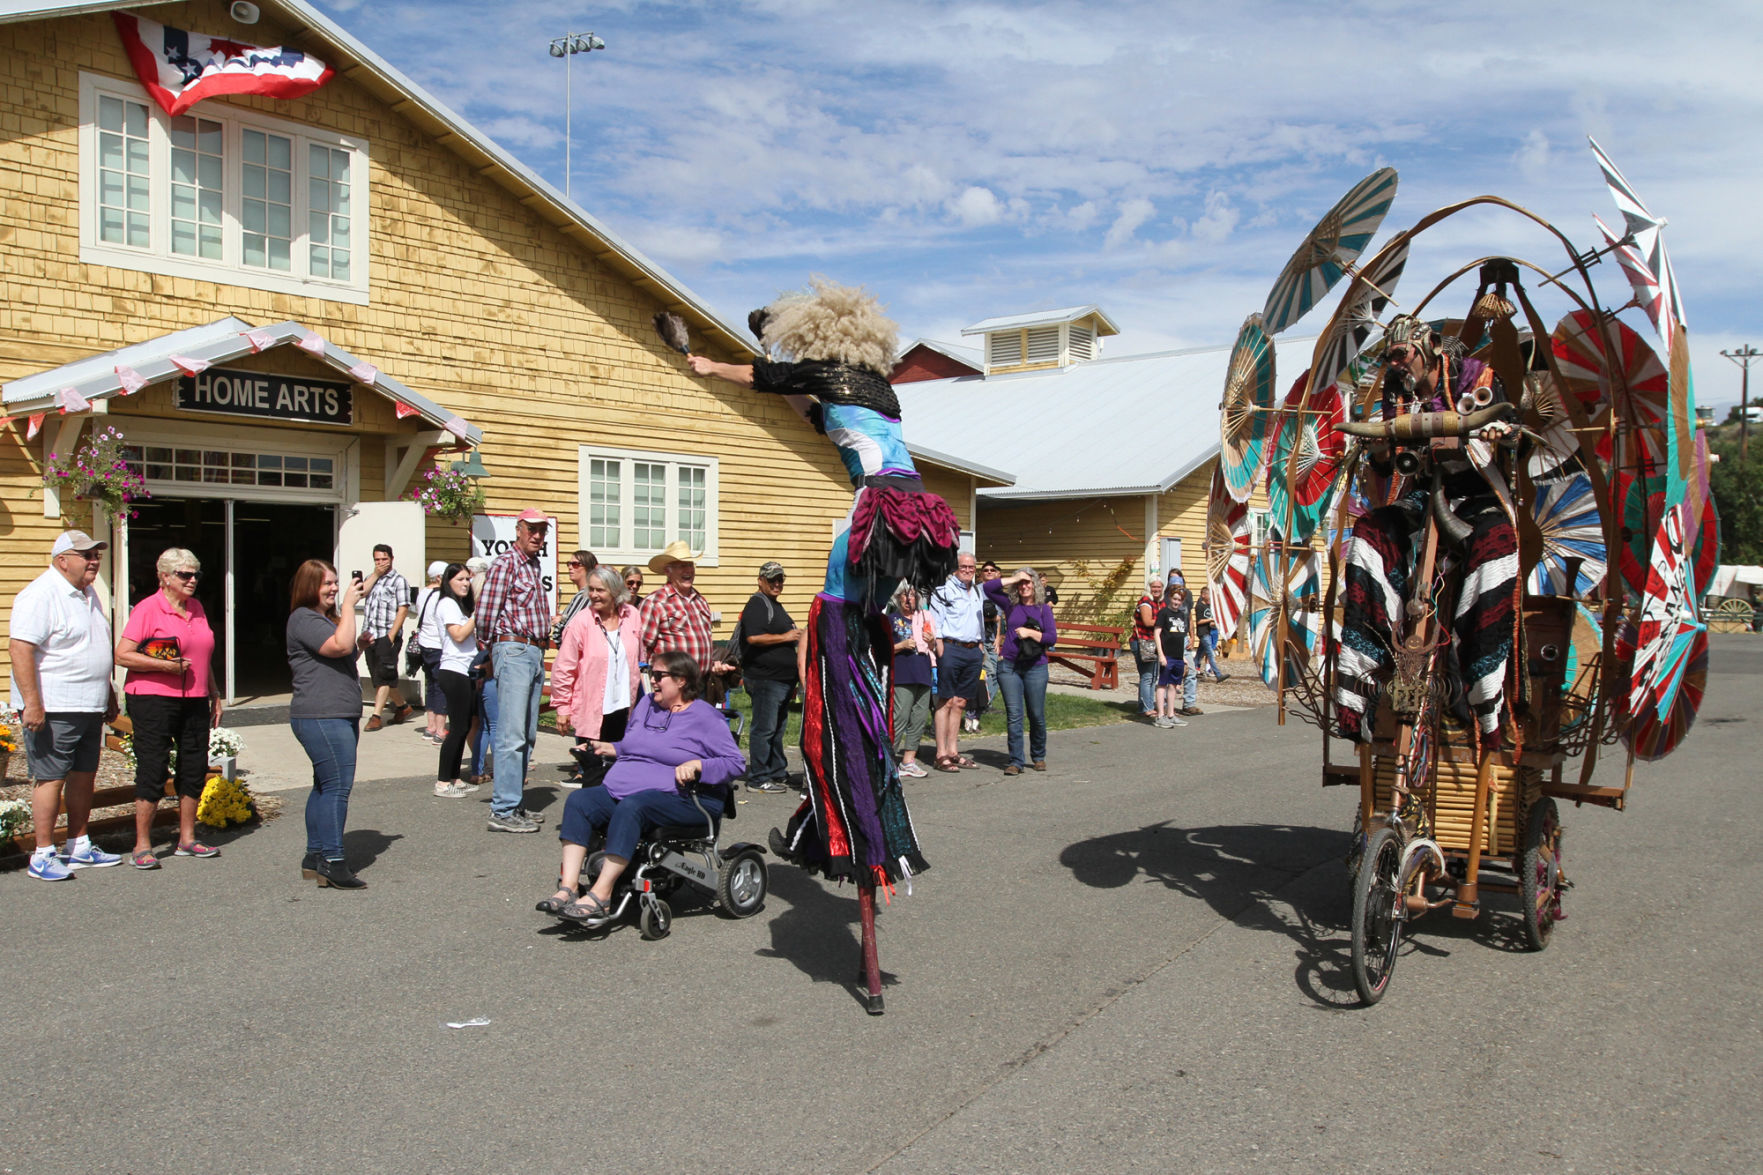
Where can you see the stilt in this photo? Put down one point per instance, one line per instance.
(870, 977)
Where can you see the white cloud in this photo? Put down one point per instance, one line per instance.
(1532, 156)
(1133, 213)
(1219, 220)
(975, 207)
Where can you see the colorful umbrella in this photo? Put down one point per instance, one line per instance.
(1647, 264)
(1227, 554)
(1329, 249)
(1352, 324)
(1654, 735)
(1642, 500)
(1566, 512)
(1590, 376)
(1300, 572)
(1315, 434)
(1556, 445)
(1247, 410)
(1669, 623)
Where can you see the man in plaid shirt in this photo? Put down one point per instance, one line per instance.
(513, 621)
(382, 634)
(675, 617)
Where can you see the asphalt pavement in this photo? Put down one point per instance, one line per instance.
(1136, 961)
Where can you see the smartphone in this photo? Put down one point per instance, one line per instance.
(356, 576)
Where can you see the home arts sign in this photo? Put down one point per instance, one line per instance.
(226, 392)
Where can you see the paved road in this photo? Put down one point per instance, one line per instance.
(1135, 962)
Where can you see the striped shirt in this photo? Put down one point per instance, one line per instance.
(676, 623)
(513, 602)
(390, 592)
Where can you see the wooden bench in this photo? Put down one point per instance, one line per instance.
(1092, 650)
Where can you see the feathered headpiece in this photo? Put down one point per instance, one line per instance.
(827, 321)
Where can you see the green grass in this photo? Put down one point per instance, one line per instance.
(1064, 712)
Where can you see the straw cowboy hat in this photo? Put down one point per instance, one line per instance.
(676, 552)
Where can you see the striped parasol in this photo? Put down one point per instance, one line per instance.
(1227, 555)
(1301, 599)
(1356, 320)
(1566, 513)
(1548, 419)
(1315, 436)
(1247, 410)
(1670, 659)
(1642, 501)
(1596, 379)
(1330, 249)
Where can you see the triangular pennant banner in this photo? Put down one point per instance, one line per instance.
(35, 426)
(260, 339)
(70, 400)
(132, 381)
(401, 409)
(365, 372)
(311, 344)
(455, 425)
(188, 365)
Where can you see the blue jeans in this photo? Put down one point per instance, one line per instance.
(330, 744)
(1148, 686)
(488, 705)
(1209, 651)
(1190, 684)
(765, 741)
(624, 820)
(520, 675)
(1025, 688)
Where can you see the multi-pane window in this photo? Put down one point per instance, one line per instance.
(603, 498)
(634, 503)
(204, 466)
(198, 189)
(125, 197)
(278, 205)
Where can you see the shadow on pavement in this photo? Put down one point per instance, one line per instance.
(363, 846)
(819, 932)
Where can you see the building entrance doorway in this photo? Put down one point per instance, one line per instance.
(254, 545)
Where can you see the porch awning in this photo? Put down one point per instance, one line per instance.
(126, 370)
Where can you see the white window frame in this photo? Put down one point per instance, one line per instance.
(230, 269)
(161, 433)
(624, 551)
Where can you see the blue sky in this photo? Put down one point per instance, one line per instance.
(1160, 160)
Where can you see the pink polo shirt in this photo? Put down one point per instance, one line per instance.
(155, 619)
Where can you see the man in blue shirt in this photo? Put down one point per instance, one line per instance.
(957, 608)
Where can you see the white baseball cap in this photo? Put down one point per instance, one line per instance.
(75, 540)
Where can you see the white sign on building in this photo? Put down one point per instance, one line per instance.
(493, 534)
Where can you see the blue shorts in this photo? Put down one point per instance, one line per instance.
(1172, 673)
(958, 672)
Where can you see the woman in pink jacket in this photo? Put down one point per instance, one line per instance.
(595, 681)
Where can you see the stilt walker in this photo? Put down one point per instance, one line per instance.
(836, 347)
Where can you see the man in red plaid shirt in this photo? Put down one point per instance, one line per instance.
(513, 617)
(675, 617)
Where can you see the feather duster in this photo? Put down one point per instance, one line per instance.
(672, 329)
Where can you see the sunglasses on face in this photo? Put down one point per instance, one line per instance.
(658, 675)
(186, 576)
(573, 563)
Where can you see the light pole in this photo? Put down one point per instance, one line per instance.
(1743, 357)
(566, 47)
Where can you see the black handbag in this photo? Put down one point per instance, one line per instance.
(1029, 648)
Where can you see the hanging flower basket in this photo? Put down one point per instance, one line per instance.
(450, 494)
(96, 470)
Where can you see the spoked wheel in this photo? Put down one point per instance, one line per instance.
(1377, 914)
(1539, 873)
(656, 919)
(741, 884)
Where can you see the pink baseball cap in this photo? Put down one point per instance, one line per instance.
(531, 515)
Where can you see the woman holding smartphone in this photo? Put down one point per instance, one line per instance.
(325, 711)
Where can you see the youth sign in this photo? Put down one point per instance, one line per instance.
(274, 397)
(493, 534)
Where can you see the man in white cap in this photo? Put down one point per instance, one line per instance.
(61, 664)
(513, 617)
(426, 643)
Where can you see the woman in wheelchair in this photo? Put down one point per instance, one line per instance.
(674, 743)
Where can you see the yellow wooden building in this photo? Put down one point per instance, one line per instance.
(1112, 457)
(290, 309)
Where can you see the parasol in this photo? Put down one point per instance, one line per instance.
(1642, 500)
(1297, 492)
(1553, 428)
(1647, 264)
(1590, 376)
(1301, 601)
(1653, 735)
(1330, 249)
(1669, 623)
(1247, 408)
(1227, 555)
(1566, 513)
(1356, 319)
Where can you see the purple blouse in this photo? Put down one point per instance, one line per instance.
(1018, 615)
(656, 741)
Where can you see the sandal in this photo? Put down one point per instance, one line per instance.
(949, 765)
(554, 904)
(964, 762)
(144, 859)
(196, 849)
(588, 909)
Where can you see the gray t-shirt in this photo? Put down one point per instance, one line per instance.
(324, 687)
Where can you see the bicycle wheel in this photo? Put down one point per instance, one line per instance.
(1377, 917)
(1539, 873)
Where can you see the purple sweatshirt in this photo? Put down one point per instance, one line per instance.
(656, 741)
(1019, 615)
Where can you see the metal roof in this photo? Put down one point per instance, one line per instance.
(97, 377)
(1043, 318)
(361, 65)
(1134, 424)
(974, 357)
(960, 465)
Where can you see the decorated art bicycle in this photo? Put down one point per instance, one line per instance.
(1485, 541)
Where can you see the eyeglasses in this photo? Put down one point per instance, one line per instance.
(186, 576)
(573, 563)
(88, 556)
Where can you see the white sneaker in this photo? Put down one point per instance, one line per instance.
(1178, 722)
(913, 770)
(452, 791)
